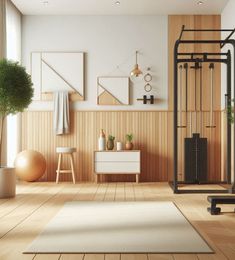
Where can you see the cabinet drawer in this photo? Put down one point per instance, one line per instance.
(117, 156)
(117, 167)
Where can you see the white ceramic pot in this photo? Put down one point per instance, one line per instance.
(101, 144)
(119, 146)
(7, 182)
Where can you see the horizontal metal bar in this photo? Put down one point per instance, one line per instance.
(184, 191)
(201, 60)
(202, 41)
(208, 30)
(202, 53)
(187, 191)
(204, 183)
(141, 99)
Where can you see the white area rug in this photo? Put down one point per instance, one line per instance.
(119, 227)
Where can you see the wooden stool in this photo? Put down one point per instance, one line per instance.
(61, 151)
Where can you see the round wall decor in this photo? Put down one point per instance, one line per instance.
(148, 77)
(147, 87)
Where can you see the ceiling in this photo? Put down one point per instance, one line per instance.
(126, 7)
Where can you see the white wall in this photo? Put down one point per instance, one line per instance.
(227, 22)
(13, 24)
(108, 41)
(13, 38)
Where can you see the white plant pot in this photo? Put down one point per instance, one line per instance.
(7, 182)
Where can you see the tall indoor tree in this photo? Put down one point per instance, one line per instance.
(16, 92)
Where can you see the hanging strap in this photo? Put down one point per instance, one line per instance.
(180, 97)
(211, 67)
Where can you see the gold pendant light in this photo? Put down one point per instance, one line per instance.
(136, 72)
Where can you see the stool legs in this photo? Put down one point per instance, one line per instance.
(58, 168)
(72, 167)
(65, 171)
(137, 178)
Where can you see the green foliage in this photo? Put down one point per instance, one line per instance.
(129, 137)
(230, 113)
(110, 137)
(16, 90)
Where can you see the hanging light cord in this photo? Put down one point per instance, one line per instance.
(123, 63)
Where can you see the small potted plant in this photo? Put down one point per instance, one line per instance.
(129, 144)
(110, 142)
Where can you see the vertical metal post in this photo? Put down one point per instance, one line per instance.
(175, 181)
(228, 163)
(180, 99)
(211, 67)
(232, 190)
(186, 92)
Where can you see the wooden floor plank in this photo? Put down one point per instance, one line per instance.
(129, 191)
(138, 192)
(112, 256)
(120, 192)
(216, 256)
(47, 257)
(111, 192)
(134, 257)
(101, 191)
(11, 204)
(160, 257)
(185, 257)
(228, 251)
(94, 257)
(72, 257)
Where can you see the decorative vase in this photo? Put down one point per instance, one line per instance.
(101, 141)
(110, 144)
(129, 145)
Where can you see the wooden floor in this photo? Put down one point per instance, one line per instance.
(22, 218)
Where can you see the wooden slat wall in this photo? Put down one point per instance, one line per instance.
(175, 23)
(153, 135)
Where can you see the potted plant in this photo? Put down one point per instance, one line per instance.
(16, 94)
(110, 142)
(129, 144)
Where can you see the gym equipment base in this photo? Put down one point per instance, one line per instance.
(177, 189)
(214, 200)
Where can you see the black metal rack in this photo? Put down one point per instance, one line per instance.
(223, 57)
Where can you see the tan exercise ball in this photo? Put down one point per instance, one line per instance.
(30, 165)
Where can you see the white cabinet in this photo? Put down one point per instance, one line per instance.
(117, 162)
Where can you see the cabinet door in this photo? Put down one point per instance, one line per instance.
(117, 167)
